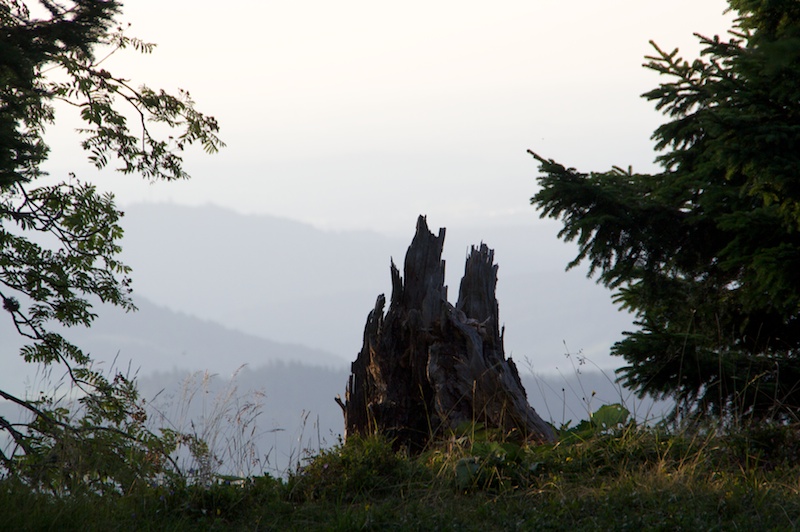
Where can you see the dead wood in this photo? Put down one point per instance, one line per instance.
(426, 367)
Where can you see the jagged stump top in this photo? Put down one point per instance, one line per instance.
(427, 367)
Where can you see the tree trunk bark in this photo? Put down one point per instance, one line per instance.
(427, 368)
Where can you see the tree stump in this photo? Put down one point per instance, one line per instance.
(426, 367)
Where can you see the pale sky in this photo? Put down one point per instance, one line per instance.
(364, 114)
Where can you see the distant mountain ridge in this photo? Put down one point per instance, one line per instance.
(266, 276)
(218, 289)
(282, 306)
(156, 338)
(292, 283)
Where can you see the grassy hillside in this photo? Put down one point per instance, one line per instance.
(603, 475)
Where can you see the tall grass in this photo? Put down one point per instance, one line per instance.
(585, 387)
(609, 470)
(601, 474)
(223, 424)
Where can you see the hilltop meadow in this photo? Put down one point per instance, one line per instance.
(605, 473)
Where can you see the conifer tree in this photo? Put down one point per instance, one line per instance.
(706, 252)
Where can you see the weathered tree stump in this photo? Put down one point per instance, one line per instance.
(427, 367)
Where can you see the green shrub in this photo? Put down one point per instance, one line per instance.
(362, 467)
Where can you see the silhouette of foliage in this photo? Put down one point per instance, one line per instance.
(59, 243)
(706, 253)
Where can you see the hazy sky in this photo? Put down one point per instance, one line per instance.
(363, 114)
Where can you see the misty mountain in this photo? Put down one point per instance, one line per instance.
(224, 287)
(266, 276)
(292, 283)
(217, 290)
(158, 339)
